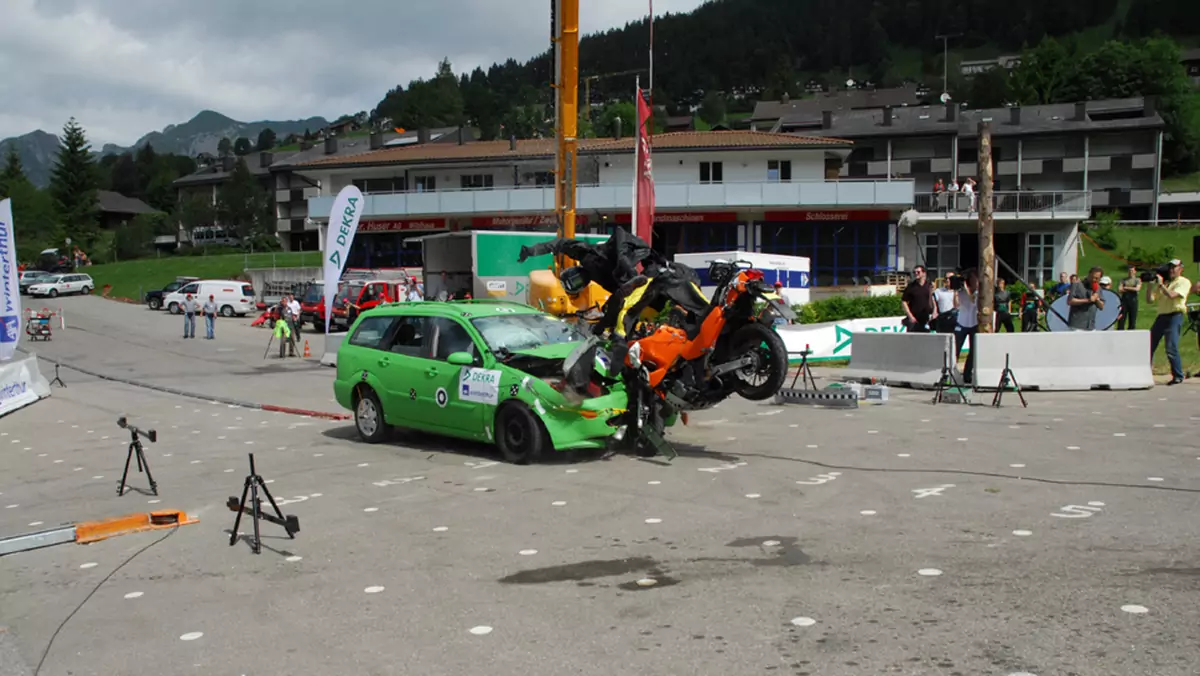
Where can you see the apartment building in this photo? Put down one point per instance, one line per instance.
(715, 191)
(1054, 165)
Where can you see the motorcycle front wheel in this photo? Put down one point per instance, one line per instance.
(763, 380)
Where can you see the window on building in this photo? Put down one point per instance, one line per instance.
(476, 181)
(779, 171)
(711, 172)
(940, 253)
(542, 178)
(1039, 257)
(426, 183)
(390, 184)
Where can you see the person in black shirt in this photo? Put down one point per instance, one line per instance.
(1003, 303)
(1130, 287)
(917, 300)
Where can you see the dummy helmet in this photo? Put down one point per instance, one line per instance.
(574, 279)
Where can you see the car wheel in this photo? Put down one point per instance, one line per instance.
(85, 290)
(226, 310)
(368, 417)
(173, 308)
(53, 293)
(520, 436)
(155, 303)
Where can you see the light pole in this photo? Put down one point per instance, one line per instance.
(946, 59)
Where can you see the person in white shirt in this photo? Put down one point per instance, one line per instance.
(294, 309)
(969, 191)
(947, 318)
(966, 300)
(414, 295)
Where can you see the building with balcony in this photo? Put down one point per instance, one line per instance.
(714, 191)
(1054, 165)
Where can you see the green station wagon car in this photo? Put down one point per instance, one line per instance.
(483, 370)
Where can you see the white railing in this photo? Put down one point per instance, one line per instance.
(1061, 204)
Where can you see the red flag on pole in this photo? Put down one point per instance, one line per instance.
(643, 205)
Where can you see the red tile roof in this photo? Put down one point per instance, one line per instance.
(492, 151)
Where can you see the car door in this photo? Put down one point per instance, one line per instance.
(401, 371)
(449, 411)
(366, 356)
(68, 284)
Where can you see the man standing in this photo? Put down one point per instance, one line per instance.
(189, 307)
(947, 315)
(1130, 287)
(1030, 300)
(293, 307)
(1003, 302)
(1063, 286)
(1084, 301)
(918, 303)
(1170, 297)
(967, 302)
(210, 316)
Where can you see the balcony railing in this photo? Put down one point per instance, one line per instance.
(1006, 205)
(609, 196)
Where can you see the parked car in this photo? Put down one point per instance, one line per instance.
(31, 277)
(232, 297)
(50, 260)
(489, 371)
(154, 299)
(57, 285)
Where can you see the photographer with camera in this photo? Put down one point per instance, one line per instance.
(1168, 289)
(1084, 300)
(966, 299)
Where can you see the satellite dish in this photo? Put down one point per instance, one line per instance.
(1105, 319)
(910, 218)
(945, 97)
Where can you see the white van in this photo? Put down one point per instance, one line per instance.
(232, 297)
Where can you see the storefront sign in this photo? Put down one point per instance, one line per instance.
(817, 216)
(529, 220)
(403, 225)
(700, 217)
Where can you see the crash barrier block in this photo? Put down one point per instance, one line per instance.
(838, 397)
(21, 384)
(904, 359)
(332, 343)
(1066, 360)
(94, 531)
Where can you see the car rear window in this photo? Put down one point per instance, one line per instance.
(247, 291)
(371, 331)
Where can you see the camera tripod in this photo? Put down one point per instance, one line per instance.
(1007, 377)
(254, 482)
(805, 374)
(135, 450)
(57, 378)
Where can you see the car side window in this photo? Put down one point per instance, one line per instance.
(190, 288)
(372, 332)
(409, 337)
(449, 337)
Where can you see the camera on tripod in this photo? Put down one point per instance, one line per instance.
(152, 435)
(1163, 271)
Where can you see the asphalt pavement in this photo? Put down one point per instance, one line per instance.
(903, 538)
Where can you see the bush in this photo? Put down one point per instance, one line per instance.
(1149, 258)
(1104, 232)
(840, 308)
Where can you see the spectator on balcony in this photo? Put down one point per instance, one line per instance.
(968, 189)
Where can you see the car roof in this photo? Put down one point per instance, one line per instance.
(456, 308)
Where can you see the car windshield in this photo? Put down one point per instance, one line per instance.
(515, 332)
(314, 293)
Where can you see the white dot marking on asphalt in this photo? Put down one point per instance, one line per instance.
(803, 621)
(482, 630)
(1072, 448)
(653, 520)
(903, 455)
(572, 471)
(196, 462)
(558, 503)
(1017, 465)
(771, 543)
(1159, 425)
(89, 564)
(153, 502)
(37, 523)
(1118, 434)
(653, 483)
(134, 595)
(441, 529)
(57, 462)
(229, 471)
(527, 552)
(373, 590)
(1135, 609)
(929, 572)
(1095, 504)
(872, 431)
(293, 559)
(363, 464)
(98, 476)
(11, 506)
(812, 446)
(371, 509)
(647, 582)
(1022, 533)
(962, 438)
(753, 496)
(868, 512)
(1154, 478)
(191, 636)
(318, 455)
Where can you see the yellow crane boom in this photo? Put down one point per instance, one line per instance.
(565, 17)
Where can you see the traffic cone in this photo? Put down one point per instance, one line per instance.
(307, 352)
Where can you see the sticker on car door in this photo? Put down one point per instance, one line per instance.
(481, 386)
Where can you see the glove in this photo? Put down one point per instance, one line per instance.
(524, 254)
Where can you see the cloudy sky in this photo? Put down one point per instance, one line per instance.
(127, 67)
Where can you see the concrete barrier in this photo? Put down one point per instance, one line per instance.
(21, 384)
(904, 359)
(333, 341)
(1067, 360)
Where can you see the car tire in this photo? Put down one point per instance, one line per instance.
(520, 435)
(53, 293)
(154, 303)
(173, 308)
(369, 418)
(753, 337)
(226, 310)
(85, 290)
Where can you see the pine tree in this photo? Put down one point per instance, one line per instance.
(33, 213)
(13, 171)
(244, 206)
(73, 186)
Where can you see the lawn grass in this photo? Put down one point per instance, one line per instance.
(1185, 183)
(1114, 267)
(131, 279)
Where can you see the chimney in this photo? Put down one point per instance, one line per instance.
(827, 119)
(1081, 111)
(1150, 106)
(887, 116)
(376, 140)
(460, 136)
(1014, 115)
(617, 128)
(512, 143)
(951, 111)
(422, 136)
(330, 144)
(305, 145)
(227, 163)
(265, 159)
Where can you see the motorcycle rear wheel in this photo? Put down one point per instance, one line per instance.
(771, 350)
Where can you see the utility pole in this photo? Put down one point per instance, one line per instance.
(946, 60)
(987, 248)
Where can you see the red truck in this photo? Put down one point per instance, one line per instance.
(358, 296)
